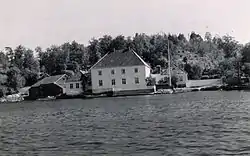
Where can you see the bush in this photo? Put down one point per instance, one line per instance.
(3, 90)
(150, 81)
(1, 93)
(231, 81)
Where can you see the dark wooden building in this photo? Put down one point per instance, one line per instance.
(49, 86)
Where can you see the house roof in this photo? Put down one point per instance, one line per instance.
(77, 76)
(24, 90)
(120, 58)
(48, 80)
(74, 78)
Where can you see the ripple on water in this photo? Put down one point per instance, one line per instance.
(201, 123)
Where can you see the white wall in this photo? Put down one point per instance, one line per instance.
(130, 75)
(147, 71)
(74, 90)
(201, 83)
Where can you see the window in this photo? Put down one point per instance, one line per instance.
(123, 71)
(136, 70)
(137, 80)
(100, 83)
(123, 81)
(71, 86)
(99, 72)
(113, 82)
(77, 85)
(112, 71)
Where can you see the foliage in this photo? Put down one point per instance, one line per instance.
(3, 90)
(150, 81)
(15, 80)
(165, 81)
(196, 55)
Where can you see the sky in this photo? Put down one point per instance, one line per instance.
(53, 22)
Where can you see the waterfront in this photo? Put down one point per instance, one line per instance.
(194, 123)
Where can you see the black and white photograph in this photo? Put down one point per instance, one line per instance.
(124, 78)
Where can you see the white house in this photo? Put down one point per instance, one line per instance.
(73, 84)
(120, 71)
(73, 87)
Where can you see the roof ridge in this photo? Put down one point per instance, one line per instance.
(59, 78)
(140, 58)
(120, 58)
(99, 60)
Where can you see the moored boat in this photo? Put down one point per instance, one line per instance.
(48, 98)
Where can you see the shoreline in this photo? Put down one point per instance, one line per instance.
(160, 91)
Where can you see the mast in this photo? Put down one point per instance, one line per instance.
(169, 66)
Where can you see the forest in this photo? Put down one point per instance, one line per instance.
(197, 55)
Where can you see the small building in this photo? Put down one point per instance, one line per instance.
(163, 76)
(49, 86)
(121, 72)
(74, 84)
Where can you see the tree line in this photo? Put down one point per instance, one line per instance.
(197, 55)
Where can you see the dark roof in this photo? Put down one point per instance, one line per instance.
(74, 78)
(120, 58)
(48, 80)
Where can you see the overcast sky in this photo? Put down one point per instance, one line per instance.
(45, 22)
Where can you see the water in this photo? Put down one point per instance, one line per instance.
(197, 124)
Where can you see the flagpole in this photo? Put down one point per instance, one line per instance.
(169, 66)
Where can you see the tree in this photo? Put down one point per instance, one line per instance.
(51, 60)
(195, 37)
(208, 37)
(105, 44)
(94, 50)
(229, 46)
(4, 60)
(228, 67)
(188, 69)
(118, 43)
(196, 72)
(31, 77)
(76, 67)
(19, 56)
(141, 44)
(29, 62)
(10, 54)
(15, 79)
(181, 37)
(150, 81)
(185, 60)
(246, 53)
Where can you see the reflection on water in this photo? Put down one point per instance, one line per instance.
(201, 123)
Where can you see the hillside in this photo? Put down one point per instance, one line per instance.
(196, 55)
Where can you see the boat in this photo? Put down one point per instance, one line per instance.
(48, 98)
(164, 91)
(12, 98)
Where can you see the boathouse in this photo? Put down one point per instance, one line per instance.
(49, 86)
